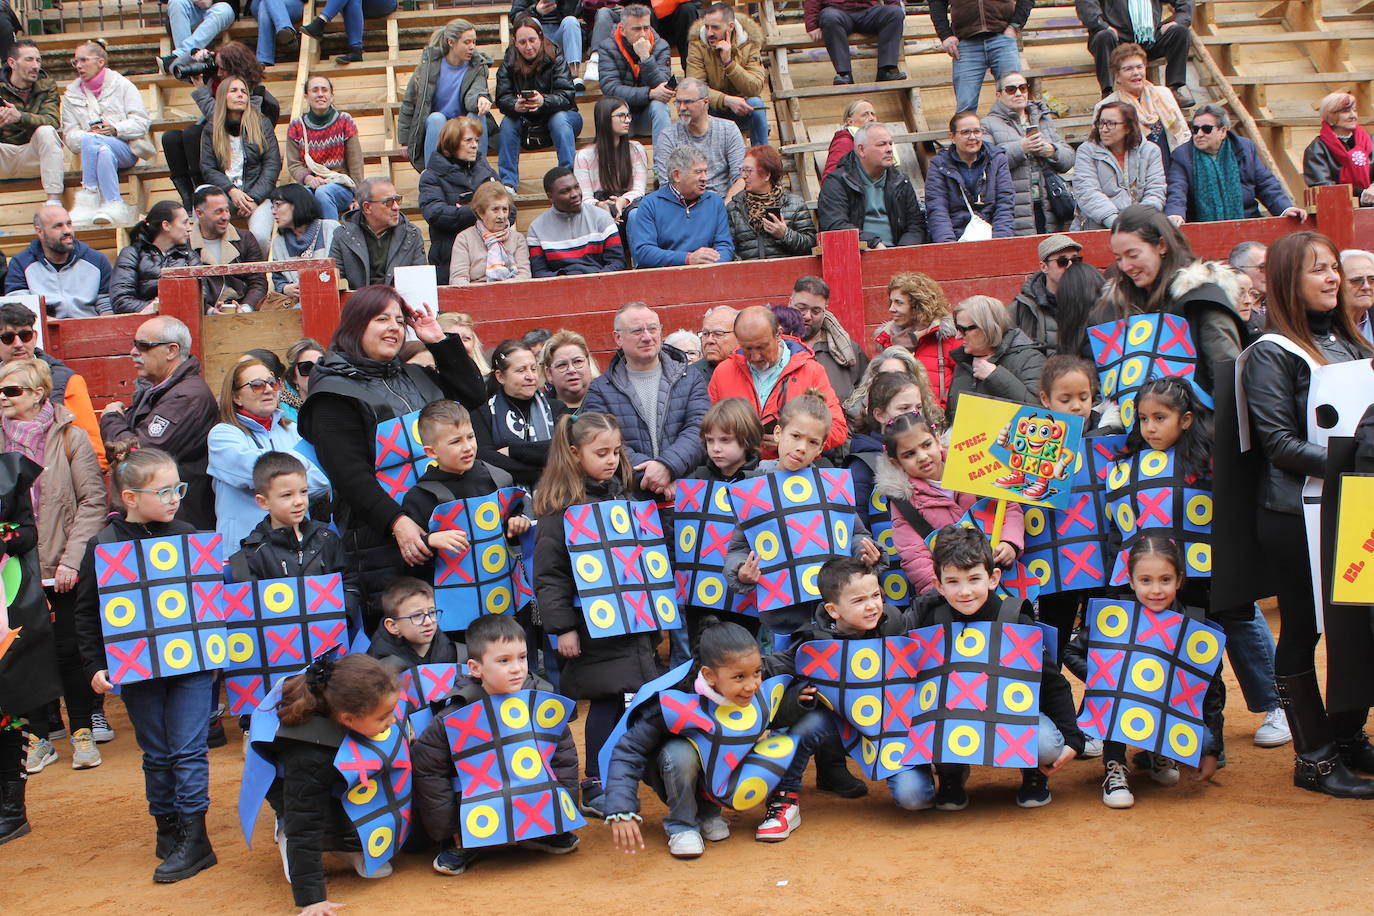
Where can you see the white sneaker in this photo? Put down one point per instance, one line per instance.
(360, 865)
(715, 828)
(84, 207)
(84, 752)
(40, 754)
(116, 213)
(589, 70)
(686, 845)
(1116, 791)
(1092, 747)
(1274, 731)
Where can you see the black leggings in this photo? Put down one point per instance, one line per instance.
(602, 715)
(75, 686)
(1283, 540)
(182, 149)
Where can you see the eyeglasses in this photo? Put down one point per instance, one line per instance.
(167, 495)
(1353, 281)
(576, 364)
(14, 391)
(24, 336)
(1063, 261)
(623, 115)
(713, 334)
(419, 618)
(142, 346)
(646, 330)
(78, 61)
(969, 132)
(304, 368)
(1103, 125)
(1203, 128)
(392, 201)
(259, 385)
(965, 329)
(1018, 89)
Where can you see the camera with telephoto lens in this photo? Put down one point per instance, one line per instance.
(203, 67)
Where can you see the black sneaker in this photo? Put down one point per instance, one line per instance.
(288, 43)
(351, 56)
(951, 796)
(1035, 789)
(560, 844)
(843, 79)
(592, 795)
(315, 28)
(454, 861)
(888, 74)
(216, 736)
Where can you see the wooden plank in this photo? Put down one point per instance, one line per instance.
(225, 338)
(842, 272)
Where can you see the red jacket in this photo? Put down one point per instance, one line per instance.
(933, 349)
(732, 379)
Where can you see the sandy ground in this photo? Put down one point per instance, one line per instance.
(1247, 843)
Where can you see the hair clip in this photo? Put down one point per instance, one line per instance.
(920, 417)
(318, 672)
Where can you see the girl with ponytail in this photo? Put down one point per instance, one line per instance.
(160, 240)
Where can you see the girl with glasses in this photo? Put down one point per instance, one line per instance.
(1115, 168)
(614, 170)
(1024, 128)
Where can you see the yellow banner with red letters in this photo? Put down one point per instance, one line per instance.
(1006, 450)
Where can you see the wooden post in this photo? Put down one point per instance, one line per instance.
(180, 298)
(841, 271)
(320, 305)
(1335, 213)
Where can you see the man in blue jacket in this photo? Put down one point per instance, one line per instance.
(72, 277)
(682, 222)
(1218, 175)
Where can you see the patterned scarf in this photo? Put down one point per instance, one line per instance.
(499, 263)
(1142, 15)
(1354, 163)
(755, 204)
(30, 439)
(1216, 185)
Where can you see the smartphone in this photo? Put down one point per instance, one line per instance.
(775, 212)
(527, 93)
(672, 82)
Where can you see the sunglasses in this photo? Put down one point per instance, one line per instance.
(306, 366)
(142, 346)
(24, 336)
(965, 328)
(1018, 89)
(168, 495)
(14, 391)
(1203, 128)
(1063, 261)
(392, 201)
(259, 385)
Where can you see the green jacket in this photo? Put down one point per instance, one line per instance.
(40, 108)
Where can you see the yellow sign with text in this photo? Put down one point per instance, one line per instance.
(1006, 450)
(1352, 581)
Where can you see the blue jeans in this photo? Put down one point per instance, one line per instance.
(101, 159)
(354, 12)
(976, 56)
(755, 122)
(563, 125)
(679, 769)
(194, 28)
(333, 199)
(435, 123)
(568, 38)
(679, 650)
(172, 727)
(1250, 647)
(273, 16)
(650, 121)
(911, 789)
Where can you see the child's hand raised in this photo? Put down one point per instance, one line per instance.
(869, 552)
(1003, 554)
(1206, 768)
(626, 836)
(323, 908)
(1064, 757)
(454, 541)
(518, 525)
(749, 572)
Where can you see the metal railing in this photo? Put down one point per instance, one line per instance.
(42, 17)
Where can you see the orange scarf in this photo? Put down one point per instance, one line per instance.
(624, 49)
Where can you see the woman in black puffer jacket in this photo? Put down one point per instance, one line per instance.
(1310, 328)
(757, 232)
(162, 240)
(534, 90)
(446, 187)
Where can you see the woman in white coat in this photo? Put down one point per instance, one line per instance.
(105, 121)
(1115, 168)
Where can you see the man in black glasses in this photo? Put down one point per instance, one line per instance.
(1218, 175)
(172, 409)
(72, 277)
(1035, 310)
(376, 238)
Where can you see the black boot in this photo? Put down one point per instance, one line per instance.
(1352, 742)
(351, 56)
(191, 854)
(315, 28)
(14, 820)
(951, 795)
(166, 834)
(1318, 767)
(186, 189)
(833, 776)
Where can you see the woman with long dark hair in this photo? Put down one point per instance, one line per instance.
(240, 155)
(534, 91)
(614, 170)
(1080, 287)
(161, 239)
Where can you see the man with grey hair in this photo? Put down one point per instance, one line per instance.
(172, 409)
(717, 337)
(72, 277)
(375, 238)
(866, 191)
(718, 138)
(634, 64)
(1249, 258)
(1358, 267)
(1218, 175)
(682, 222)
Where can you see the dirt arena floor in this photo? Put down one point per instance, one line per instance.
(1247, 843)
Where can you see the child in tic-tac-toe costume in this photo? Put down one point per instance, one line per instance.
(919, 505)
(967, 581)
(169, 714)
(731, 435)
(687, 720)
(318, 709)
(890, 395)
(587, 463)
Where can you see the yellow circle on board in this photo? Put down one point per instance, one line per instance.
(120, 611)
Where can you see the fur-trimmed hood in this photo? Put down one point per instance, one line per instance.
(1199, 274)
(745, 30)
(890, 480)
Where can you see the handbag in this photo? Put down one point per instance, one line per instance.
(535, 134)
(978, 229)
(1057, 195)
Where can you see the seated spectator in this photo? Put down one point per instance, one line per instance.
(194, 25)
(354, 12)
(1341, 153)
(717, 337)
(1035, 309)
(561, 26)
(461, 325)
(833, 21)
(277, 28)
(766, 221)
(301, 357)
(635, 64)
(240, 156)
(181, 148)
(717, 138)
(686, 341)
(491, 249)
(104, 121)
(683, 222)
(1249, 258)
(672, 19)
(575, 236)
(71, 276)
(29, 144)
(1218, 175)
(843, 359)
(375, 238)
(1358, 269)
(996, 360)
(724, 53)
(613, 170)
(967, 179)
(569, 366)
(161, 240)
(447, 184)
(1025, 130)
(215, 241)
(535, 93)
(1113, 22)
(868, 193)
(979, 37)
(1114, 168)
(449, 81)
(1161, 119)
(302, 232)
(323, 151)
(921, 323)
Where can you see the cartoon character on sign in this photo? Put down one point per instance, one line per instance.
(1034, 448)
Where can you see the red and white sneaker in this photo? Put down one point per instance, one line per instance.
(1038, 489)
(1014, 479)
(782, 816)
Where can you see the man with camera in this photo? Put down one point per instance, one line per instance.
(576, 236)
(195, 24)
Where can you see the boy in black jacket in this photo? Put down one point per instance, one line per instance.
(410, 634)
(966, 579)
